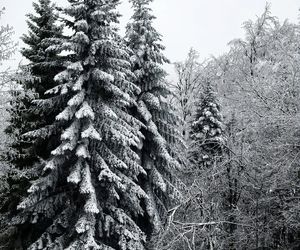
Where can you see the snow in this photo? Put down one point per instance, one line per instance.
(77, 67)
(103, 76)
(91, 205)
(75, 175)
(158, 180)
(82, 25)
(81, 38)
(86, 186)
(85, 112)
(77, 99)
(82, 151)
(91, 133)
(66, 115)
(97, 14)
(78, 84)
(33, 189)
(108, 112)
(54, 90)
(62, 76)
(71, 131)
(82, 225)
(50, 165)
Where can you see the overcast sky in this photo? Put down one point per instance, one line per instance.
(205, 25)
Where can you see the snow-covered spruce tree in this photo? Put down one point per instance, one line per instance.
(206, 152)
(207, 132)
(23, 152)
(153, 110)
(43, 66)
(87, 195)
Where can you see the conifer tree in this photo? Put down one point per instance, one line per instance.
(207, 131)
(35, 77)
(206, 152)
(87, 195)
(154, 111)
(43, 66)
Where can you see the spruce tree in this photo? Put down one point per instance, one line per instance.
(43, 27)
(207, 152)
(24, 152)
(207, 132)
(154, 112)
(39, 73)
(87, 194)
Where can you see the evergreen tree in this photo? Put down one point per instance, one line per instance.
(154, 112)
(23, 151)
(43, 66)
(87, 194)
(206, 152)
(207, 131)
(7, 49)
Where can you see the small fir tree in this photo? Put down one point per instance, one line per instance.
(207, 133)
(206, 152)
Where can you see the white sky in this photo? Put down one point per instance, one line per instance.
(205, 25)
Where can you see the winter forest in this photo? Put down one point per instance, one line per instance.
(100, 150)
